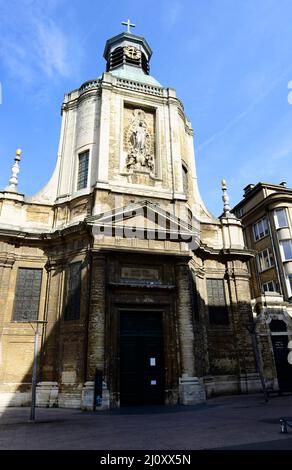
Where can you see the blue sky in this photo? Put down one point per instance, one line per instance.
(229, 60)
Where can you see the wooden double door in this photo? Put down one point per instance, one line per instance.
(141, 358)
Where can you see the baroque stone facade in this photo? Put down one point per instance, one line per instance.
(157, 279)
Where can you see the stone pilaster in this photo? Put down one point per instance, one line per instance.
(184, 315)
(54, 298)
(191, 389)
(96, 331)
(104, 132)
(5, 271)
(95, 353)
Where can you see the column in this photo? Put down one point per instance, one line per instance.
(48, 387)
(191, 388)
(104, 130)
(5, 270)
(96, 331)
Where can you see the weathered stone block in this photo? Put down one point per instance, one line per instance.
(87, 398)
(47, 394)
(191, 391)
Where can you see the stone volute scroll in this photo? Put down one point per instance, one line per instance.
(140, 152)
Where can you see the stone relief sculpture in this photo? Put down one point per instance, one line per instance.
(140, 154)
(138, 137)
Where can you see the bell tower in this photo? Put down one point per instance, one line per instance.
(124, 135)
(127, 54)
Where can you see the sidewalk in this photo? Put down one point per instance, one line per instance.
(226, 422)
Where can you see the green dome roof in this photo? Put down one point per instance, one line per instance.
(136, 74)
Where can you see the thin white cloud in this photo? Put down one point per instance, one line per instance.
(172, 13)
(275, 152)
(54, 50)
(245, 112)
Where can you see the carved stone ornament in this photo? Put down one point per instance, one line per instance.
(132, 52)
(139, 144)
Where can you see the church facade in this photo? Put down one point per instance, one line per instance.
(143, 293)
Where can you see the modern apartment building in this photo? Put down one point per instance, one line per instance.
(266, 214)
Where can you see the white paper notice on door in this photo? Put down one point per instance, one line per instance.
(152, 361)
(153, 382)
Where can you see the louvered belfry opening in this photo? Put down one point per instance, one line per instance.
(118, 58)
(145, 64)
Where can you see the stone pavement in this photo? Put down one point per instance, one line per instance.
(236, 422)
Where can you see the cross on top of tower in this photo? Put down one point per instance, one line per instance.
(129, 25)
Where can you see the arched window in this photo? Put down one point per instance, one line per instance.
(82, 177)
(185, 180)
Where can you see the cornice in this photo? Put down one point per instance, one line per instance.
(236, 253)
(280, 193)
(6, 261)
(44, 236)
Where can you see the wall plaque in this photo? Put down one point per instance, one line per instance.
(140, 274)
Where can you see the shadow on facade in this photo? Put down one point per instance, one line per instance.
(73, 349)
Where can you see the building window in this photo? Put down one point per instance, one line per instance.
(72, 309)
(260, 229)
(287, 249)
(83, 159)
(185, 180)
(290, 284)
(27, 294)
(281, 218)
(265, 259)
(239, 213)
(270, 286)
(218, 314)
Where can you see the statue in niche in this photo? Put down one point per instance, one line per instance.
(139, 137)
(139, 144)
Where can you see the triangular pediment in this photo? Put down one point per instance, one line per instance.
(142, 219)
